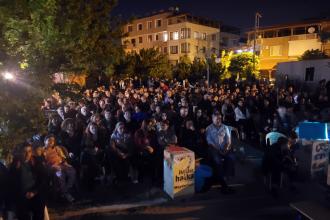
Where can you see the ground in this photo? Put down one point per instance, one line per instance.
(252, 200)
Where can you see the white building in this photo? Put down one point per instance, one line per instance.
(304, 74)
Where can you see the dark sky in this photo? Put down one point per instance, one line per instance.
(239, 13)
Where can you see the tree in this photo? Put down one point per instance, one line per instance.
(151, 62)
(127, 65)
(198, 69)
(44, 37)
(183, 69)
(241, 65)
(216, 69)
(225, 61)
(66, 35)
(313, 55)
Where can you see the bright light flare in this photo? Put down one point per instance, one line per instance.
(8, 76)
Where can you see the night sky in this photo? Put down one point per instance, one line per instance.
(239, 13)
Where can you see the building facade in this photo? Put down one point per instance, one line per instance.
(285, 43)
(172, 33)
(230, 38)
(303, 74)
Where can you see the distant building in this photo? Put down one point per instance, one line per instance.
(305, 75)
(173, 33)
(230, 37)
(287, 42)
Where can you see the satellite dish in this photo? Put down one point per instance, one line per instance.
(311, 30)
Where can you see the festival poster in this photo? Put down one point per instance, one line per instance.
(320, 158)
(179, 171)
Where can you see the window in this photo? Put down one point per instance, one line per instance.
(197, 49)
(165, 49)
(174, 35)
(156, 37)
(269, 34)
(284, 32)
(275, 50)
(174, 49)
(309, 75)
(149, 25)
(139, 27)
(299, 30)
(140, 40)
(203, 50)
(150, 38)
(214, 37)
(129, 28)
(196, 35)
(185, 33)
(133, 42)
(158, 22)
(165, 36)
(224, 41)
(203, 36)
(185, 48)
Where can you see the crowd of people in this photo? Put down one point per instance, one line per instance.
(117, 133)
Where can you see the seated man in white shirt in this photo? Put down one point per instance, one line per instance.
(220, 152)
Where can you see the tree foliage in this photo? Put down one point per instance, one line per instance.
(42, 37)
(243, 65)
(183, 69)
(147, 63)
(66, 35)
(313, 55)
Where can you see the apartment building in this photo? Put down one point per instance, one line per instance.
(230, 37)
(173, 33)
(284, 43)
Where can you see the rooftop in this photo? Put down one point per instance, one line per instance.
(178, 17)
(293, 24)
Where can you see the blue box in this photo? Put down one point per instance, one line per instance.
(313, 131)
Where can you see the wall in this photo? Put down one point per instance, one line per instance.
(296, 72)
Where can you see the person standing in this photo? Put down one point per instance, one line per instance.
(28, 181)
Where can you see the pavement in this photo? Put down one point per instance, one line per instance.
(252, 200)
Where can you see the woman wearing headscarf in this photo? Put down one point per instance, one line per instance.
(92, 156)
(121, 151)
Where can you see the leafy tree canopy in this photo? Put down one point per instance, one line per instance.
(313, 55)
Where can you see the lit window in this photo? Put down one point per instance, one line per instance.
(176, 35)
(196, 35)
(165, 36)
(203, 36)
(185, 33)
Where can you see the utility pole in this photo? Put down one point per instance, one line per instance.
(256, 28)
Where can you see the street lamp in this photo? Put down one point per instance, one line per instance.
(208, 58)
(8, 76)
